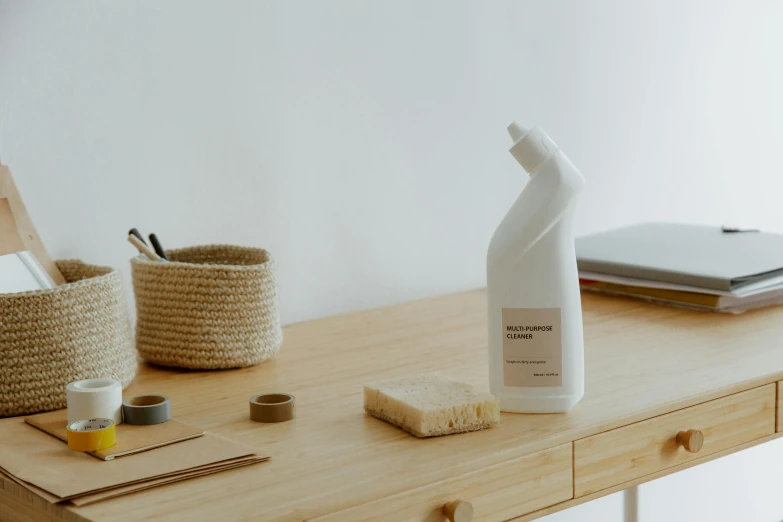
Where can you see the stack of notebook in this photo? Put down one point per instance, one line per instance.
(728, 270)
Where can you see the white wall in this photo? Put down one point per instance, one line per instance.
(363, 143)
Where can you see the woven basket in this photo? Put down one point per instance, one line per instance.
(49, 338)
(212, 307)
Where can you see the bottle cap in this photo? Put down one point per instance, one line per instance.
(531, 146)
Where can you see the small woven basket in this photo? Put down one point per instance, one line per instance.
(49, 338)
(212, 307)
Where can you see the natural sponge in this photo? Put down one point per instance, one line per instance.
(431, 404)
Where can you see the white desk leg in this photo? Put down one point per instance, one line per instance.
(631, 504)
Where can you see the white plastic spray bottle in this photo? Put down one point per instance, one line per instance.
(536, 347)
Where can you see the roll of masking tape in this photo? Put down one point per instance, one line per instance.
(272, 407)
(91, 435)
(146, 409)
(94, 399)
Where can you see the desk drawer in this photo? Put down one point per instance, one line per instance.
(497, 493)
(633, 451)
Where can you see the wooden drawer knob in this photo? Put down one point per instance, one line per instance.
(691, 440)
(458, 511)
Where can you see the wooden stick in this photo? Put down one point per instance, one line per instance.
(143, 248)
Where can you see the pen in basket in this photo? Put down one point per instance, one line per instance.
(142, 247)
(135, 232)
(158, 247)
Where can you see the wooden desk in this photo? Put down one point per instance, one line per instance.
(334, 463)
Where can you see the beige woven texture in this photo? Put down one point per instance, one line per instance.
(49, 338)
(212, 307)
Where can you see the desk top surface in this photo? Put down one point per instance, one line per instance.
(642, 360)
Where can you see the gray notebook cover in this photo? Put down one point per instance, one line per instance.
(683, 254)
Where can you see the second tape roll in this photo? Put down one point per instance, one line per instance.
(144, 410)
(94, 399)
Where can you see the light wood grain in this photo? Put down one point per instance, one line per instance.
(497, 493)
(20, 505)
(779, 426)
(647, 478)
(642, 361)
(620, 455)
(10, 240)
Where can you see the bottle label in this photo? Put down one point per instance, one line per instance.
(532, 349)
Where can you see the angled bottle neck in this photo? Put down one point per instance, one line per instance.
(531, 147)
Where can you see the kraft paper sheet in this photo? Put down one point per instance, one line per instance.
(34, 457)
(130, 439)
